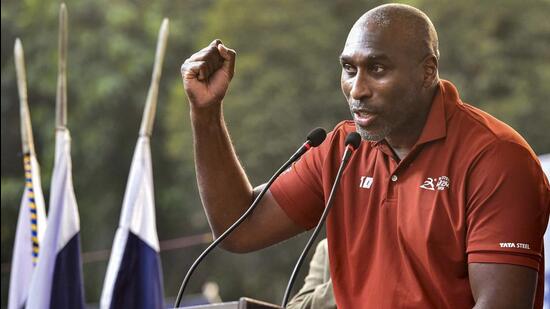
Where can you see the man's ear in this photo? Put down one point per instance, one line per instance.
(430, 70)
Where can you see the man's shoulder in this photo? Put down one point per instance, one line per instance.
(486, 143)
(338, 134)
(332, 148)
(479, 128)
(344, 127)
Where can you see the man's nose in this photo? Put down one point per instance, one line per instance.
(360, 88)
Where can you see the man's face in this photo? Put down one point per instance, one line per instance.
(382, 81)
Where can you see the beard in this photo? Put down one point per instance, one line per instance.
(373, 135)
(381, 130)
(397, 114)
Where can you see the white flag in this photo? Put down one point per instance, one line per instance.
(31, 225)
(57, 280)
(134, 274)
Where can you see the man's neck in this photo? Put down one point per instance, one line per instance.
(400, 152)
(403, 143)
(405, 138)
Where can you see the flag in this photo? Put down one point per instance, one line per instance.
(134, 274)
(31, 225)
(57, 279)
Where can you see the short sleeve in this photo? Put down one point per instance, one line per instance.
(299, 190)
(508, 201)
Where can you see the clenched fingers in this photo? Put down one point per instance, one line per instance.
(203, 63)
(194, 70)
(208, 60)
(229, 58)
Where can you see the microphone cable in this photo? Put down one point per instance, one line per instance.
(314, 139)
(353, 141)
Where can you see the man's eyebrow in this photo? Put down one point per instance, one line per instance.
(343, 58)
(371, 57)
(378, 57)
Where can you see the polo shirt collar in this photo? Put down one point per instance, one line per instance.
(443, 106)
(435, 126)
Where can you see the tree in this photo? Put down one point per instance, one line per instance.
(286, 83)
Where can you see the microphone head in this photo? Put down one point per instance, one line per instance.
(316, 136)
(353, 139)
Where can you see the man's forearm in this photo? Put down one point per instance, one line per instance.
(223, 186)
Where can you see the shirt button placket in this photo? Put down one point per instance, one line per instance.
(391, 194)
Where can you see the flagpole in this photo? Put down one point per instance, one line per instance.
(151, 104)
(137, 225)
(31, 222)
(27, 141)
(61, 97)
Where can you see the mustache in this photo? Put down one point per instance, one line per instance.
(362, 106)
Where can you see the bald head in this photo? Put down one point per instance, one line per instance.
(402, 22)
(389, 73)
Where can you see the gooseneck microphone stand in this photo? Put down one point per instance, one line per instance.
(314, 139)
(353, 141)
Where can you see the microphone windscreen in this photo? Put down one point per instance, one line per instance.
(353, 139)
(316, 136)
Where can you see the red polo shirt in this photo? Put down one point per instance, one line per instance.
(401, 233)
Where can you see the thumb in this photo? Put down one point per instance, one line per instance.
(228, 56)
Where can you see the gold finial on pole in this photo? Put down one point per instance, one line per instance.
(27, 141)
(151, 104)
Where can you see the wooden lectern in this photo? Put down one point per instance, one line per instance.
(243, 303)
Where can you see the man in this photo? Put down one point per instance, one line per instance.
(316, 293)
(442, 205)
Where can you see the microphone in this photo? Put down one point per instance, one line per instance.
(313, 139)
(353, 140)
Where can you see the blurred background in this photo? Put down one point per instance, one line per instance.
(287, 81)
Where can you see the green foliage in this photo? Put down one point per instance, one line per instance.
(502, 63)
(286, 82)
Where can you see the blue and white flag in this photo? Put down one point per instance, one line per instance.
(31, 225)
(134, 274)
(57, 279)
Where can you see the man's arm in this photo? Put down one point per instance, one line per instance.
(507, 197)
(502, 285)
(223, 185)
